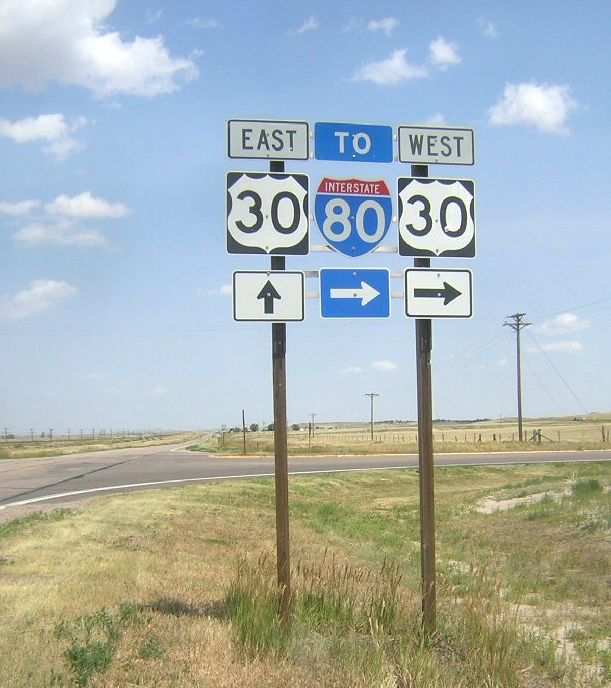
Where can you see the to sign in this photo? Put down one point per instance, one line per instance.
(268, 140)
(362, 293)
(352, 142)
(353, 214)
(436, 145)
(436, 217)
(267, 213)
(431, 293)
(268, 296)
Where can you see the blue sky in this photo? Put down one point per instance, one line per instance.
(115, 305)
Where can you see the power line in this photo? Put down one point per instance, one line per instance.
(576, 308)
(559, 374)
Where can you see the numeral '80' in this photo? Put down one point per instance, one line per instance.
(337, 212)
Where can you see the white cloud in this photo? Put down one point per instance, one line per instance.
(75, 47)
(39, 297)
(310, 24)
(444, 54)
(223, 290)
(502, 362)
(203, 23)
(61, 233)
(96, 376)
(18, 209)
(153, 17)
(386, 25)
(353, 24)
(436, 120)
(545, 106)
(352, 370)
(562, 323)
(52, 128)
(384, 366)
(86, 206)
(159, 391)
(562, 346)
(61, 223)
(488, 28)
(391, 71)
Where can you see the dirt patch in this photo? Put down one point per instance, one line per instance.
(489, 505)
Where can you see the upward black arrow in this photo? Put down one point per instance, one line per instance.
(268, 294)
(448, 293)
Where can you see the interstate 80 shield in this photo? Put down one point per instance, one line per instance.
(353, 215)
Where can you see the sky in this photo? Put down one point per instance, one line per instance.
(115, 296)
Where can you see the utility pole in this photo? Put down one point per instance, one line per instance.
(313, 415)
(244, 432)
(371, 395)
(517, 325)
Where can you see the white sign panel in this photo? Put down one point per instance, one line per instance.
(276, 296)
(268, 140)
(431, 293)
(267, 213)
(436, 217)
(436, 146)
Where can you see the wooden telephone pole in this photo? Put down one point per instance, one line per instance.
(517, 325)
(371, 395)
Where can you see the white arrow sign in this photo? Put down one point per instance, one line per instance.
(366, 293)
(431, 293)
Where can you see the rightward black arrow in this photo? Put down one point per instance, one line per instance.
(268, 294)
(448, 293)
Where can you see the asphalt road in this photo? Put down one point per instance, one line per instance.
(32, 484)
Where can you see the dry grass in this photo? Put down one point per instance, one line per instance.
(19, 449)
(395, 438)
(161, 564)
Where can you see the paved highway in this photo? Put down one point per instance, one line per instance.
(32, 484)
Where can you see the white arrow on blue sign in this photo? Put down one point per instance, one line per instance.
(359, 293)
(353, 142)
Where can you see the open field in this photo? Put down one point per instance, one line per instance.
(175, 587)
(591, 432)
(26, 448)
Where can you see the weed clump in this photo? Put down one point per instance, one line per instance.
(367, 625)
(586, 488)
(93, 640)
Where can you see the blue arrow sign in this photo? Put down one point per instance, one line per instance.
(362, 293)
(353, 142)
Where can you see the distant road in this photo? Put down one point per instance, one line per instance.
(31, 484)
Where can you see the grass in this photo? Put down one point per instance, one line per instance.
(176, 587)
(18, 449)
(400, 438)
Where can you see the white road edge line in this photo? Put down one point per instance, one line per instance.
(47, 498)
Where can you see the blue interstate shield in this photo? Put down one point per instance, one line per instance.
(353, 215)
